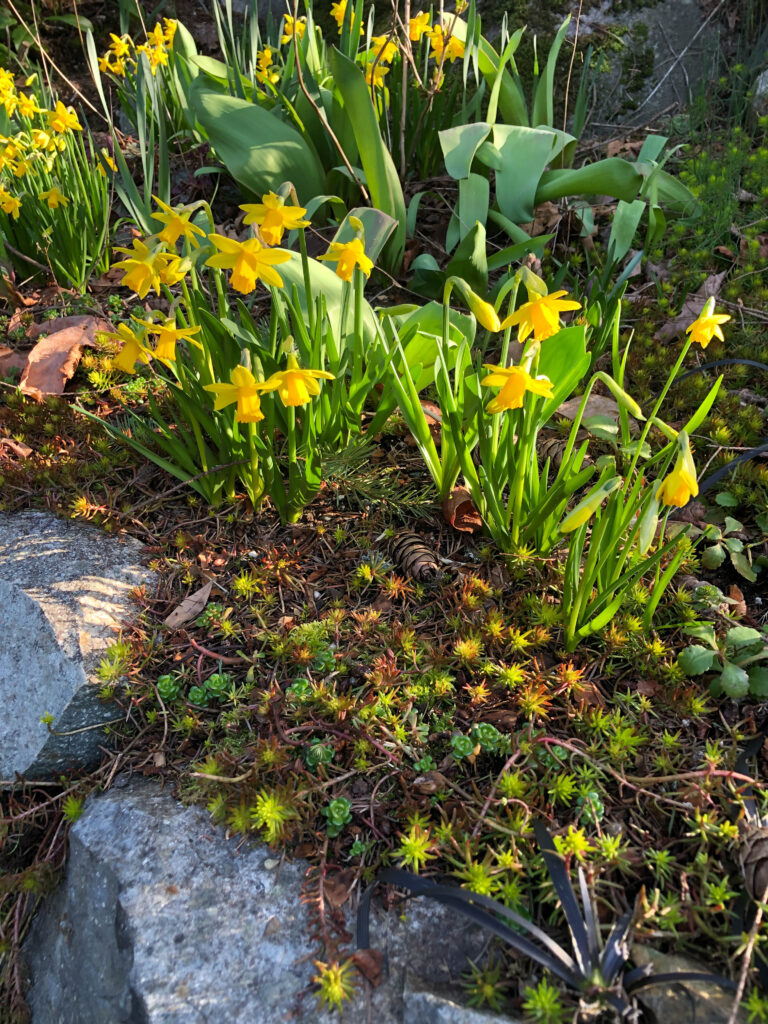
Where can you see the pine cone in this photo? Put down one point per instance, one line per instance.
(753, 855)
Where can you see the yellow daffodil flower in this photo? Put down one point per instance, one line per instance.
(707, 325)
(63, 119)
(104, 64)
(177, 224)
(274, 217)
(54, 198)
(418, 26)
(120, 45)
(10, 101)
(170, 25)
(454, 47)
(679, 486)
(157, 36)
(249, 262)
(384, 47)
(22, 167)
(514, 382)
(374, 74)
(294, 385)
(540, 316)
(265, 65)
(347, 256)
(338, 10)
(133, 348)
(244, 390)
(105, 158)
(168, 334)
(483, 311)
(28, 105)
(143, 267)
(172, 268)
(10, 204)
(291, 28)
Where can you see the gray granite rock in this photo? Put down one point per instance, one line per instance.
(688, 1002)
(760, 94)
(669, 49)
(162, 920)
(64, 592)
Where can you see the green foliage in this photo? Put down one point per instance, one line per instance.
(733, 659)
(337, 813)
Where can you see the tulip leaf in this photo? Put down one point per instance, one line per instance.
(259, 151)
(470, 260)
(525, 153)
(472, 207)
(381, 176)
(565, 360)
(459, 146)
(610, 177)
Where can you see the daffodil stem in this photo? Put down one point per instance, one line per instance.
(358, 339)
(307, 281)
(657, 406)
(255, 484)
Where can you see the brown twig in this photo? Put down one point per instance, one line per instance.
(747, 958)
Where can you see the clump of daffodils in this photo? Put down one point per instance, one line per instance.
(122, 56)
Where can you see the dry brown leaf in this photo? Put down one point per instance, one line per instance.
(739, 607)
(190, 607)
(10, 359)
(624, 147)
(337, 887)
(429, 783)
(17, 447)
(369, 962)
(459, 510)
(597, 405)
(53, 361)
(692, 306)
(546, 216)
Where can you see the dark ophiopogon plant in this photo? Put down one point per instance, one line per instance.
(596, 972)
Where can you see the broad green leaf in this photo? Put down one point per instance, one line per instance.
(325, 282)
(525, 153)
(565, 360)
(378, 227)
(381, 175)
(472, 207)
(742, 566)
(611, 177)
(695, 659)
(758, 681)
(459, 146)
(732, 525)
(734, 681)
(626, 219)
(470, 261)
(258, 150)
(725, 499)
(713, 557)
(702, 631)
(743, 640)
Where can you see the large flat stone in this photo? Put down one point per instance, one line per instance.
(162, 920)
(64, 594)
